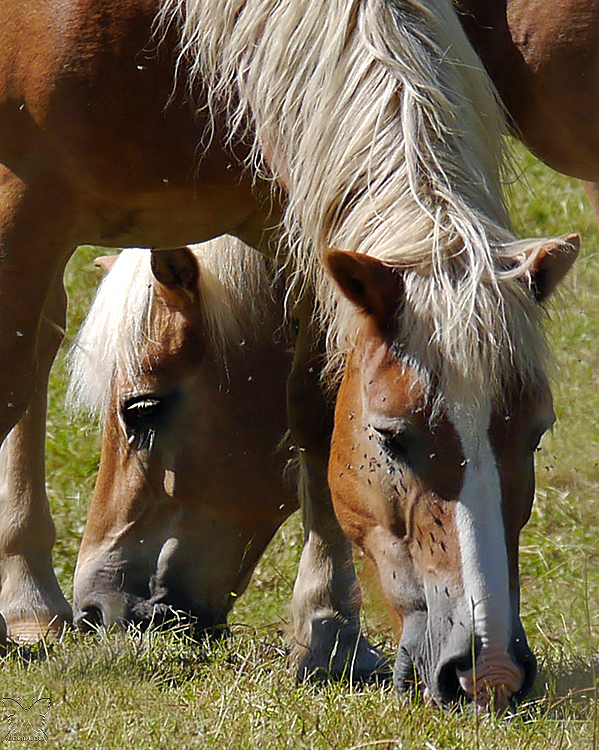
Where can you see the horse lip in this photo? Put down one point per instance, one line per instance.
(494, 676)
(528, 661)
(404, 670)
(197, 621)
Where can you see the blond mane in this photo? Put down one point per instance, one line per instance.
(381, 123)
(235, 287)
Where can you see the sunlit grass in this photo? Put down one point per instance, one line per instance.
(162, 691)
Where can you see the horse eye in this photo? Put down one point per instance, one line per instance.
(393, 443)
(142, 415)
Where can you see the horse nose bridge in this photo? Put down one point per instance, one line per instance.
(481, 537)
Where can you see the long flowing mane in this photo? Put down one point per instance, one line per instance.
(235, 287)
(381, 123)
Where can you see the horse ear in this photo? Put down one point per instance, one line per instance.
(372, 286)
(105, 262)
(551, 264)
(178, 274)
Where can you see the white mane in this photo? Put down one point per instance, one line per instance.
(380, 121)
(235, 284)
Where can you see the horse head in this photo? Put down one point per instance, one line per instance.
(435, 483)
(190, 487)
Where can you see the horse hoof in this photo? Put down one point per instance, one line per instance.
(30, 631)
(346, 655)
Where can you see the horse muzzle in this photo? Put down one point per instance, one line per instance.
(119, 610)
(493, 680)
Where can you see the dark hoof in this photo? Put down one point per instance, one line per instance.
(342, 654)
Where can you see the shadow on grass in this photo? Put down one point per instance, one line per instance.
(566, 689)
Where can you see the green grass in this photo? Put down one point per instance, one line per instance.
(162, 691)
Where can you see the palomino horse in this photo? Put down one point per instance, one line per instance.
(78, 160)
(191, 485)
(378, 121)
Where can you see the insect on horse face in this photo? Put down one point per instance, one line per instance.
(435, 487)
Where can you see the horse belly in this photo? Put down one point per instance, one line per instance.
(91, 95)
(559, 42)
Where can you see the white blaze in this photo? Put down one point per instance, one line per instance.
(480, 528)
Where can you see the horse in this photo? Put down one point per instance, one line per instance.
(543, 57)
(369, 135)
(104, 63)
(194, 477)
(191, 485)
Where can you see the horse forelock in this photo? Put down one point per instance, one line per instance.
(382, 124)
(111, 335)
(480, 346)
(234, 288)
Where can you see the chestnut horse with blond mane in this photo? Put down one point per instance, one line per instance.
(368, 126)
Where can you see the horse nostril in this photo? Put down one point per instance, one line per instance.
(90, 618)
(448, 683)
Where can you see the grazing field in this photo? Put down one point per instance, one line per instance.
(162, 691)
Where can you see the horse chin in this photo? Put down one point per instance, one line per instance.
(198, 622)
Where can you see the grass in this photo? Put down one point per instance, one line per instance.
(114, 690)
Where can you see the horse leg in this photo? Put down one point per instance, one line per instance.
(592, 191)
(326, 599)
(30, 597)
(36, 225)
(35, 220)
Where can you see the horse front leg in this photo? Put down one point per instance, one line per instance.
(328, 642)
(36, 237)
(31, 600)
